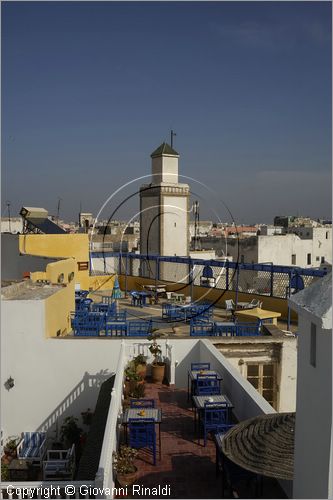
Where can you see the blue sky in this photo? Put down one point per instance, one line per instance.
(90, 89)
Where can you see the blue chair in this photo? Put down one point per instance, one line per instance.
(215, 419)
(247, 329)
(227, 329)
(139, 328)
(88, 330)
(81, 293)
(106, 299)
(138, 298)
(32, 447)
(199, 366)
(166, 306)
(82, 304)
(142, 403)
(142, 434)
(201, 329)
(116, 316)
(207, 385)
(116, 329)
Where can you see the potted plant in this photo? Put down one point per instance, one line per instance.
(132, 378)
(10, 446)
(140, 363)
(123, 464)
(158, 366)
(139, 391)
(70, 432)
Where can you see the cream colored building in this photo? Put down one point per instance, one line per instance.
(164, 207)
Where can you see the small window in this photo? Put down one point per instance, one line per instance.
(293, 259)
(323, 260)
(83, 266)
(242, 259)
(309, 259)
(313, 345)
(327, 233)
(317, 258)
(263, 378)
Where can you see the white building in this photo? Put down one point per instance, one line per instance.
(313, 434)
(304, 247)
(12, 225)
(164, 207)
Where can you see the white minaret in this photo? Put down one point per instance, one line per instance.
(164, 207)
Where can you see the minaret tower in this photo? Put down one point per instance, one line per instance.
(164, 207)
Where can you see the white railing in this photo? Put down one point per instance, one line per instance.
(104, 478)
(45, 489)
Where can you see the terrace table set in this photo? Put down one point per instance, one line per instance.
(92, 319)
(258, 314)
(139, 422)
(212, 409)
(185, 312)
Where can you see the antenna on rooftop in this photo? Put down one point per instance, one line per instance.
(196, 224)
(172, 134)
(58, 209)
(9, 221)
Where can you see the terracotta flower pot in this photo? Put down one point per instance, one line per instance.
(157, 372)
(127, 479)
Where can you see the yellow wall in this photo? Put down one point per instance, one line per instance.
(59, 305)
(97, 283)
(59, 245)
(211, 294)
(62, 303)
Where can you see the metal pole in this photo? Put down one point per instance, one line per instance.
(289, 311)
(237, 279)
(126, 272)
(190, 277)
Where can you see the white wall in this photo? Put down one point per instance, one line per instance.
(46, 371)
(14, 226)
(165, 169)
(150, 222)
(106, 264)
(174, 226)
(279, 249)
(288, 376)
(313, 435)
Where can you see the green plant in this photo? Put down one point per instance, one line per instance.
(123, 460)
(4, 472)
(140, 359)
(154, 348)
(138, 391)
(130, 372)
(11, 444)
(70, 432)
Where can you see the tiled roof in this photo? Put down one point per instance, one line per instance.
(89, 461)
(164, 149)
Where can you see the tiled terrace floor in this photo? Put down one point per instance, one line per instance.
(189, 468)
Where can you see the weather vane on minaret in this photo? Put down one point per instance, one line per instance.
(172, 136)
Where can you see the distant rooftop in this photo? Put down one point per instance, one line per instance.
(164, 149)
(28, 290)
